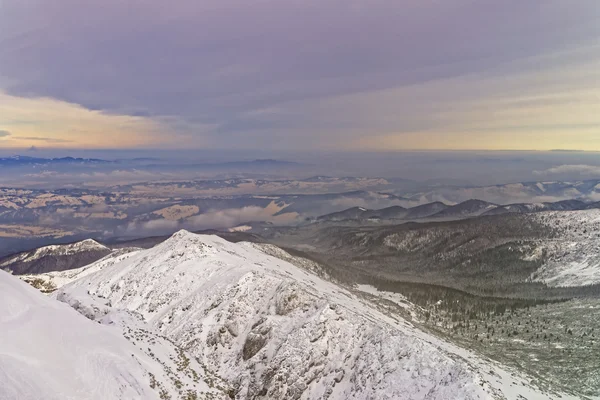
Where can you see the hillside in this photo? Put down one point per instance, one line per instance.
(572, 258)
(275, 330)
(54, 258)
(469, 208)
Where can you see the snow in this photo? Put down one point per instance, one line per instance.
(49, 351)
(574, 273)
(573, 256)
(276, 330)
(57, 250)
(535, 206)
(393, 297)
(58, 279)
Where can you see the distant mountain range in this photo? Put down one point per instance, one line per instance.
(16, 161)
(466, 209)
(265, 162)
(521, 192)
(410, 193)
(565, 205)
(257, 165)
(19, 160)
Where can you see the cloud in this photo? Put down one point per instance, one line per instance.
(58, 124)
(159, 226)
(231, 217)
(43, 139)
(572, 170)
(4, 133)
(299, 74)
(211, 219)
(98, 178)
(372, 202)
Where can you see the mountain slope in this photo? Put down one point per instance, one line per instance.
(350, 213)
(54, 258)
(50, 281)
(425, 210)
(530, 192)
(572, 258)
(49, 351)
(469, 208)
(275, 331)
(17, 161)
(522, 208)
(393, 212)
(592, 206)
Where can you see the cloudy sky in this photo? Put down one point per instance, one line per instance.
(300, 74)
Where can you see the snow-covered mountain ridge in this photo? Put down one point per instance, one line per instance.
(50, 281)
(276, 331)
(55, 257)
(56, 250)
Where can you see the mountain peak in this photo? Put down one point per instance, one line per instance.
(184, 238)
(181, 234)
(258, 320)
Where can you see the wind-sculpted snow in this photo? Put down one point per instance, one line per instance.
(275, 331)
(572, 258)
(48, 351)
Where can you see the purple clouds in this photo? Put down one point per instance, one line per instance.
(259, 71)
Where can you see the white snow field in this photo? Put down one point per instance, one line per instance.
(49, 351)
(274, 330)
(574, 256)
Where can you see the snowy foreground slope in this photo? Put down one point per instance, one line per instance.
(275, 331)
(49, 351)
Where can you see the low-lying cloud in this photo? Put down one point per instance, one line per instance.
(44, 139)
(571, 169)
(212, 219)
